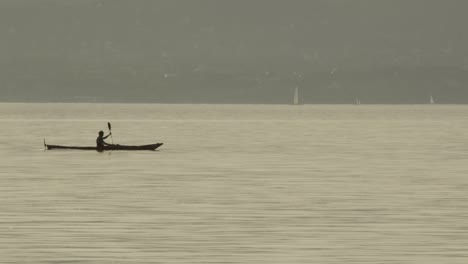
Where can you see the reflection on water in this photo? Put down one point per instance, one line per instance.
(235, 184)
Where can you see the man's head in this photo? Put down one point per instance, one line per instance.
(101, 133)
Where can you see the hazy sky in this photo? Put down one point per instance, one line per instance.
(66, 48)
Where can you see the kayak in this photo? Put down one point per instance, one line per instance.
(109, 147)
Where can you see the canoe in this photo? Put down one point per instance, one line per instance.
(110, 147)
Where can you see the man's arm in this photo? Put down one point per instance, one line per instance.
(105, 143)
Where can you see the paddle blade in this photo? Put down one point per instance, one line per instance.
(109, 126)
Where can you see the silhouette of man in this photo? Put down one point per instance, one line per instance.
(100, 143)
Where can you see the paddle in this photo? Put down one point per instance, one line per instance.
(110, 130)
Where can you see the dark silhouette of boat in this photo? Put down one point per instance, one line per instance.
(107, 148)
(104, 146)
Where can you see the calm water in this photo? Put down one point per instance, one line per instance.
(235, 184)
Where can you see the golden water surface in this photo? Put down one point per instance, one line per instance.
(235, 184)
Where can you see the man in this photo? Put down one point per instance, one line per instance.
(100, 143)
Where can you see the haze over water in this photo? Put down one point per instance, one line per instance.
(210, 51)
(235, 184)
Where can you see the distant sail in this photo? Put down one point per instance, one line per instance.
(358, 102)
(296, 96)
(431, 100)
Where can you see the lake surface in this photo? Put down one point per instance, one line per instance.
(235, 184)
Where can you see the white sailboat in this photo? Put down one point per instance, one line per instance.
(296, 96)
(431, 100)
(358, 102)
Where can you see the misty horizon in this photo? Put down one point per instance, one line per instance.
(207, 51)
